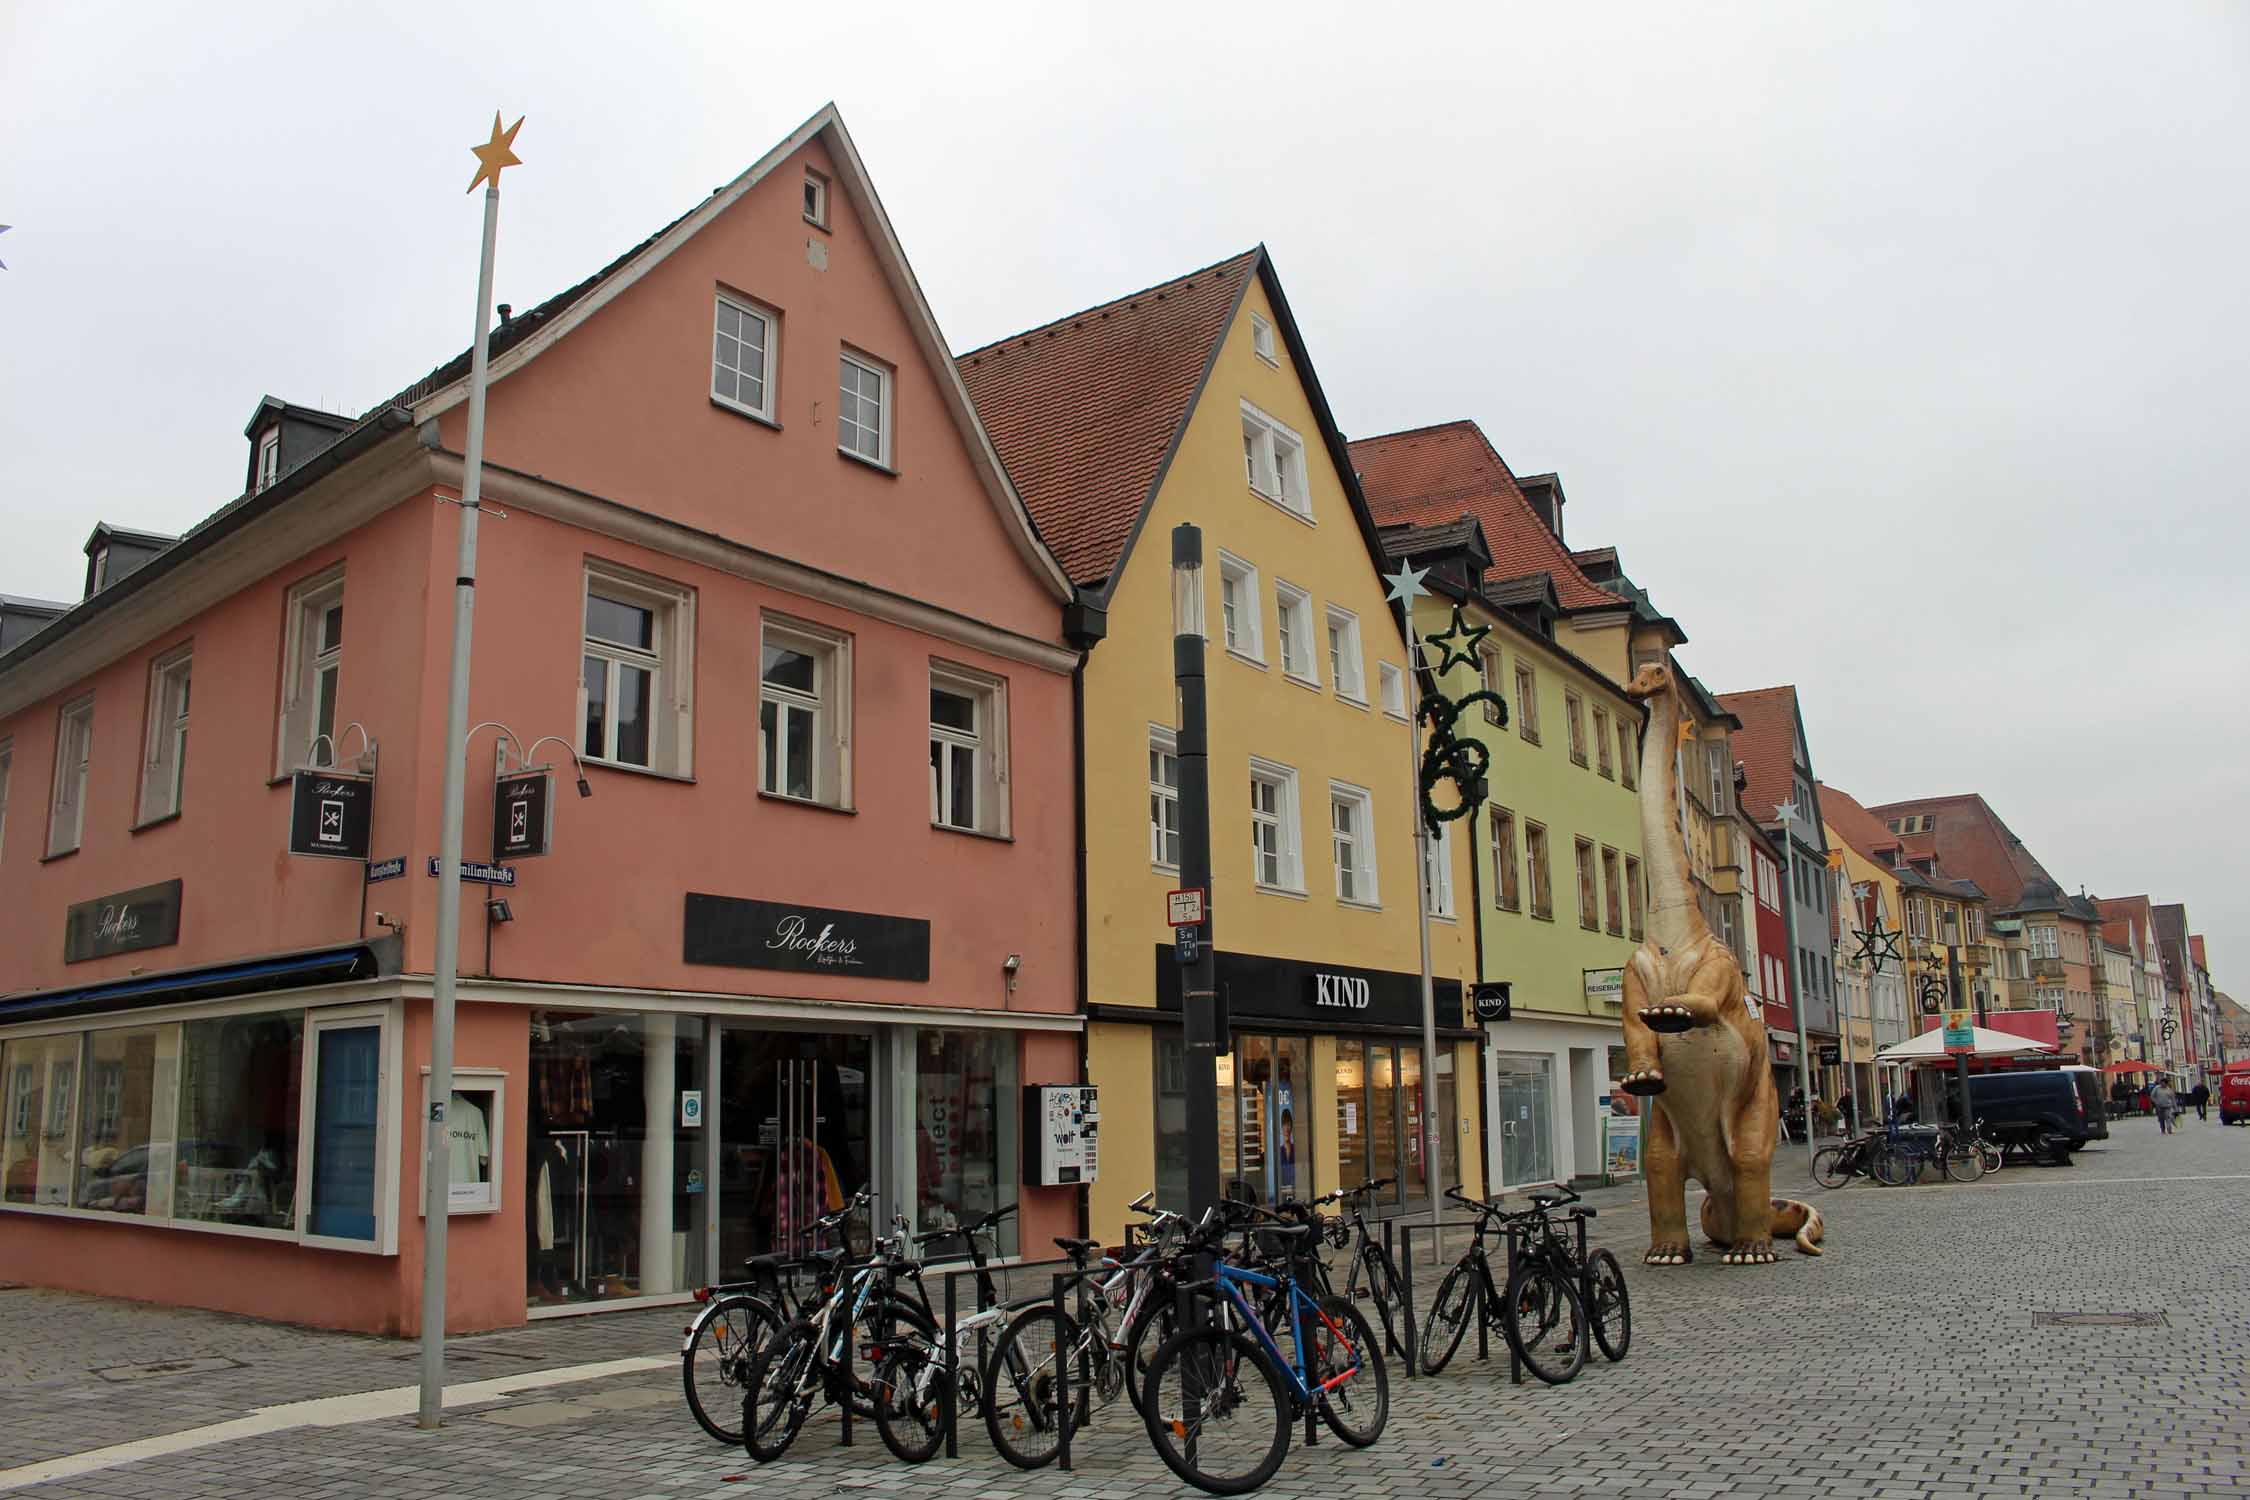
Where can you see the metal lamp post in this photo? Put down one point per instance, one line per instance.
(1201, 1025)
(1787, 817)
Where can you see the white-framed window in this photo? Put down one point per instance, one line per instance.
(1628, 767)
(1506, 894)
(74, 750)
(863, 408)
(635, 671)
(1611, 891)
(312, 671)
(1437, 870)
(1273, 459)
(269, 457)
(164, 754)
(968, 749)
(1391, 678)
(1261, 340)
(816, 199)
(1540, 866)
(1634, 898)
(1351, 822)
(1345, 666)
(1276, 859)
(1575, 718)
(1717, 755)
(1163, 798)
(1293, 631)
(1589, 896)
(1241, 624)
(1527, 701)
(1601, 742)
(804, 712)
(744, 355)
(7, 774)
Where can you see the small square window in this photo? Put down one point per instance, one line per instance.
(1345, 668)
(1261, 340)
(804, 705)
(1392, 680)
(1240, 623)
(743, 357)
(967, 742)
(816, 199)
(635, 674)
(1294, 632)
(863, 409)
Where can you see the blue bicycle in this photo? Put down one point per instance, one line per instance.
(1223, 1394)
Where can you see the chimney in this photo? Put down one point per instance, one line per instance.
(506, 312)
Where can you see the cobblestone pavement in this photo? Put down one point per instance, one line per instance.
(1908, 1362)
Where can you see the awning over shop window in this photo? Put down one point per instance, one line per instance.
(210, 981)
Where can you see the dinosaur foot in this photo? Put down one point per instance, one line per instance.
(1668, 1253)
(1646, 1081)
(1750, 1253)
(1667, 1018)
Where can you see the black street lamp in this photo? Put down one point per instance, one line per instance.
(1202, 1025)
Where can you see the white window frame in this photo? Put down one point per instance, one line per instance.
(1288, 826)
(1507, 868)
(1262, 341)
(390, 1086)
(989, 744)
(7, 776)
(1437, 871)
(74, 756)
(1391, 680)
(1527, 701)
(671, 658)
(305, 663)
(1274, 458)
(1628, 770)
(1585, 857)
(1293, 633)
(830, 709)
(492, 1083)
(886, 381)
(1347, 665)
(769, 360)
(1358, 845)
(816, 199)
(1248, 613)
(1604, 747)
(1163, 741)
(164, 747)
(1574, 715)
(269, 458)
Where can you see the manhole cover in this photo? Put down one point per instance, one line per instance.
(455, 1356)
(13, 1286)
(2098, 1320)
(168, 1367)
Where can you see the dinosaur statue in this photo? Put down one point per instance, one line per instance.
(1694, 1046)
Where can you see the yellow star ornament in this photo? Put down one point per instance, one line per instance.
(496, 153)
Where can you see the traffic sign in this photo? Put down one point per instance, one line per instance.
(1184, 908)
(479, 873)
(386, 869)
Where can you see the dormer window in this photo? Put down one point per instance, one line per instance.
(816, 200)
(101, 569)
(269, 458)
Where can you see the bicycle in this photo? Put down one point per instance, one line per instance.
(736, 1319)
(911, 1373)
(1384, 1283)
(1835, 1166)
(1023, 1411)
(1549, 1284)
(1227, 1364)
(1903, 1157)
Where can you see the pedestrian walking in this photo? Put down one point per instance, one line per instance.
(1845, 1111)
(2165, 1103)
(2200, 1097)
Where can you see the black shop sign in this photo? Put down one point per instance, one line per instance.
(745, 934)
(523, 815)
(330, 813)
(1330, 997)
(145, 917)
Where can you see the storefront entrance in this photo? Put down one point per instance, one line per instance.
(1265, 1119)
(794, 1133)
(1379, 1120)
(1524, 1089)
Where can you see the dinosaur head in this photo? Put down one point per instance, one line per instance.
(1652, 679)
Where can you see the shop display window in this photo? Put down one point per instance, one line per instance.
(124, 1150)
(236, 1157)
(35, 1153)
(965, 1148)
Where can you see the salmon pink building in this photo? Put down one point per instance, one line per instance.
(773, 765)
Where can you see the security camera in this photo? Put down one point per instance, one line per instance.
(1013, 962)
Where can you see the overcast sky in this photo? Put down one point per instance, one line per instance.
(1904, 351)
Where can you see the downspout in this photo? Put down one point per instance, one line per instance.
(1085, 626)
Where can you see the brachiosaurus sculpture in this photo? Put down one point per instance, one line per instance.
(1693, 1047)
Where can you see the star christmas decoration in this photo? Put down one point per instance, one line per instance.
(1458, 643)
(497, 154)
(1877, 945)
(1406, 585)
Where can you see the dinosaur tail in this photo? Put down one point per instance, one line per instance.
(1799, 1219)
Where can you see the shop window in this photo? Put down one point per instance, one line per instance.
(1351, 819)
(475, 1122)
(35, 1152)
(636, 677)
(1589, 900)
(131, 1075)
(347, 1118)
(1265, 1126)
(966, 1156)
(236, 1151)
(164, 760)
(312, 671)
(1506, 894)
(804, 713)
(1171, 1123)
(74, 750)
(968, 742)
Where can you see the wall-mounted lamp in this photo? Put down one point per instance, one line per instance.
(1009, 966)
(496, 911)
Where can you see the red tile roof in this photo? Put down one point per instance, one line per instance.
(2195, 946)
(1441, 473)
(2134, 913)
(1084, 410)
(1766, 746)
(1854, 824)
(1972, 841)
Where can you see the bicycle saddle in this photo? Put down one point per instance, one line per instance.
(830, 1258)
(763, 1265)
(1075, 1248)
(1545, 1200)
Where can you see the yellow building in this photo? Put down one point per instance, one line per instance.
(1194, 401)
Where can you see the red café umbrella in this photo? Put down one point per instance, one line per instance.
(2132, 1067)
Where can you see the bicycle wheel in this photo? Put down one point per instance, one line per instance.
(1392, 1307)
(1157, 1321)
(715, 1357)
(778, 1393)
(1215, 1412)
(1449, 1318)
(1021, 1412)
(1828, 1167)
(1896, 1168)
(1963, 1163)
(1610, 1307)
(1994, 1157)
(1355, 1407)
(909, 1402)
(1545, 1322)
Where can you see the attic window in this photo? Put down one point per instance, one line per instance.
(269, 458)
(1261, 340)
(816, 199)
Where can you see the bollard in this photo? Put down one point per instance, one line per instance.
(949, 1409)
(1062, 1380)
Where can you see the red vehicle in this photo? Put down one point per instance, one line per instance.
(2234, 1095)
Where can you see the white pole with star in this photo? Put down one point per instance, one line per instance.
(493, 156)
(1405, 587)
(1786, 816)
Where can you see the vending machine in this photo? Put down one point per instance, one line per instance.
(1063, 1138)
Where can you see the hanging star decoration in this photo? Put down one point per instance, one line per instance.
(4, 228)
(497, 154)
(1878, 945)
(1406, 584)
(1458, 642)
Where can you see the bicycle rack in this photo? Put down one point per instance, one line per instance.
(949, 1392)
(1484, 1310)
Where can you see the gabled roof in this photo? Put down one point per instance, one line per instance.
(2133, 913)
(1087, 410)
(1971, 838)
(1766, 745)
(1431, 474)
(1854, 824)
